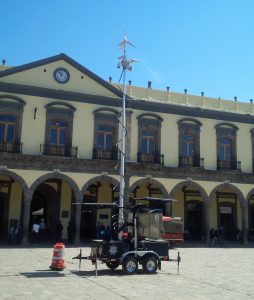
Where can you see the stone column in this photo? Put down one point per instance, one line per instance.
(207, 221)
(245, 223)
(77, 220)
(26, 217)
(128, 134)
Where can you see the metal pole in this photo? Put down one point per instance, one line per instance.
(126, 65)
(122, 181)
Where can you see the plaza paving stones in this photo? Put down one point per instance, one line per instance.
(205, 273)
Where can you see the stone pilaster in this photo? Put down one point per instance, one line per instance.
(207, 221)
(77, 220)
(26, 217)
(245, 224)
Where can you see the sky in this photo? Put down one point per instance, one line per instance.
(198, 45)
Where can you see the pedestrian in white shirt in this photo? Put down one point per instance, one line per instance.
(35, 232)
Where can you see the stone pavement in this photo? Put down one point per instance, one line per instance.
(205, 273)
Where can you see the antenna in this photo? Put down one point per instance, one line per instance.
(125, 64)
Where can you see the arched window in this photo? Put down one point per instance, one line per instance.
(187, 145)
(226, 147)
(148, 142)
(7, 128)
(11, 112)
(105, 134)
(7, 133)
(59, 127)
(105, 137)
(58, 132)
(189, 142)
(149, 139)
(57, 137)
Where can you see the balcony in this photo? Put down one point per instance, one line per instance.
(228, 165)
(105, 154)
(191, 162)
(58, 150)
(11, 147)
(150, 158)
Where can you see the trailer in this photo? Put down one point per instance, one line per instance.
(132, 250)
(127, 248)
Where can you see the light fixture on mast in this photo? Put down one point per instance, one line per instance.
(125, 64)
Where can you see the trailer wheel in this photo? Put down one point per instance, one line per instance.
(130, 265)
(112, 264)
(150, 265)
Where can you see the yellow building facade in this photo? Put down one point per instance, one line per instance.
(59, 131)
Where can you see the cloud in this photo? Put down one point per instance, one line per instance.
(154, 75)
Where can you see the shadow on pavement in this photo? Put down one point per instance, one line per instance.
(107, 272)
(42, 273)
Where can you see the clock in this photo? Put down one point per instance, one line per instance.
(61, 75)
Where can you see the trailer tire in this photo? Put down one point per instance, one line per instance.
(112, 264)
(150, 265)
(130, 265)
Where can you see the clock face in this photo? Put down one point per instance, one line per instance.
(61, 75)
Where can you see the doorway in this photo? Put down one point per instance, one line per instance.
(227, 220)
(45, 205)
(3, 217)
(88, 218)
(194, 219)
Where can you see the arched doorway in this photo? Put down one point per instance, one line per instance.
(227, 214)
(88, 214)
(11, 205)
(148, 187)
(4, 208)
(251, 219)
(191, 206)
(101, 189)
(46, 205)
(227, 219)
(194, 219)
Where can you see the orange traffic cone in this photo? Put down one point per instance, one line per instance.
(58, 257)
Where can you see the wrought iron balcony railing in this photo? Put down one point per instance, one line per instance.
(191, 162)
(153, 158)
(58, 150)
(11, 147)
(228, 165)
(105, 154)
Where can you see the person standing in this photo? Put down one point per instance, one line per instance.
(35, 232)
(12, 234)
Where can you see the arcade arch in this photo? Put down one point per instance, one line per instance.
(100, 189)
(192, 207)
(12, 193)
(149, 187)
(52, 197)
(227, 211)
(250, 201)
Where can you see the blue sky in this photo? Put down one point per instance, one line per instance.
(201, 45)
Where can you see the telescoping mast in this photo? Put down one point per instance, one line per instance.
(126, 65)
